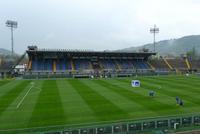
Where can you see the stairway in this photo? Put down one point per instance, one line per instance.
(18, 61)
(151, 66)
(167, 63)
(117, 64)
(54, 66)
(29, 64)
(187, 63)
(72, 65)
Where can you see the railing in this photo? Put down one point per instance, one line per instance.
(118, 126)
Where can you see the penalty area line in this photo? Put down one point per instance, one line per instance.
(24, 97)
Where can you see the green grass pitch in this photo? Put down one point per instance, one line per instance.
(41, 103)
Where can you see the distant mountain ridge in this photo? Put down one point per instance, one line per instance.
(174, 47)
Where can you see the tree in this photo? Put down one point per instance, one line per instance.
(192, 53)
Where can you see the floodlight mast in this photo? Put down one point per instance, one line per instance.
(154, 30)
(12, 25)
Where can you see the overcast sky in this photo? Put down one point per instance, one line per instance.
(95, 24)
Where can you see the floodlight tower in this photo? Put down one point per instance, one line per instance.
(154, 30)
(12, 25)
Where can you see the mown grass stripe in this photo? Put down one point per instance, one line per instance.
(8, 87)
(3, 82)
(10, 96)
(76, 110)
(145, 101)
(48, 109)
(102, 107)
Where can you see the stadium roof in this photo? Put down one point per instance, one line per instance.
(85, 53)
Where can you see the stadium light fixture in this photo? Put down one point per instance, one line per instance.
(12, 25)
(154, 31)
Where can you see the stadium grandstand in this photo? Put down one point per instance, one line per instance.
(70, 63)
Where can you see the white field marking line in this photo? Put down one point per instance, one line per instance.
(37, 91)
(38, 88)
(24, 96)
(13, 107)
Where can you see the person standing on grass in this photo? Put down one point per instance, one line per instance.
(181, 103)
(151, 93)
(177, 100)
